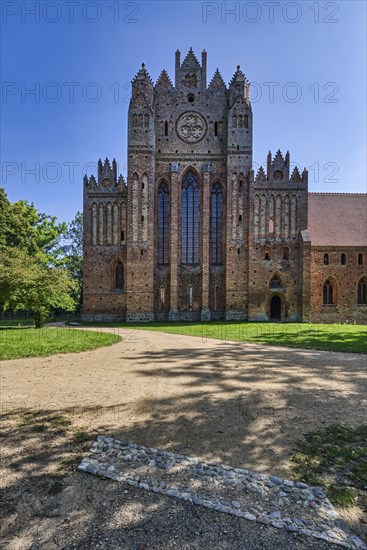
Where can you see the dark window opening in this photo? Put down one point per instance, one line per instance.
(360, 259)
(122, 235)
(286, 253)
(190, 219)
(215, 128)
(328, 291)
(216, 224)
(275, 283)
(119, 277)
(163, 223)
(362, 292)
(166, 128)
(343, 259)
(240, 218)
(326, 259)
(267, 254)
(189, 296)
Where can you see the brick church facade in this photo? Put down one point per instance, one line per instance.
(195, 234)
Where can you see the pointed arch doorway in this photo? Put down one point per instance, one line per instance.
(276, 308)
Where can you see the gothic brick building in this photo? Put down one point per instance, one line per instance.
(196, 234)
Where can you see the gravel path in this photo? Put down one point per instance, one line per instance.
(238, 404)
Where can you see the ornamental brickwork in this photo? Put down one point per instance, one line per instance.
(194, 234)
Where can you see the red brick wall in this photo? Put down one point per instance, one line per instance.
(346, 279)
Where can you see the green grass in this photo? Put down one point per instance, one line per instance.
(328, 337)
(17, 343)
(334, 458)
(26, 322)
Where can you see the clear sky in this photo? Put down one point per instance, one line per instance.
(306, 62)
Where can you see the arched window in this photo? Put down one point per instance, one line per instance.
(163, 223)
(239, 120)
(162, 296)
(326, 259)
(267, 253)
(360, 259)
(275, 283)
(166, 128)
(234, 121)
(135, 120)
(190, 219)
(271, 226)
(189, 296)
(216, 224)
(245, 121)
(146, 120)
(328, 293)
(215, 128)
(286, 253)
(119, 276)
(362, 291)
(343, 259)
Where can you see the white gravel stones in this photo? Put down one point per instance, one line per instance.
(283, 504)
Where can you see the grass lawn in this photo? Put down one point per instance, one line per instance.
(16, 343)
(328, 337)
(26, 322)
(335, 458)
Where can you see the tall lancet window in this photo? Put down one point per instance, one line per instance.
(163, 223)
(216, 225)
(190, 219)
(119, 276)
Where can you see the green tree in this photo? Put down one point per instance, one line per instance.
(22, 226)
(72, 252)
(26, 282)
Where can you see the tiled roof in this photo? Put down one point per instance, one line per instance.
(337, 219)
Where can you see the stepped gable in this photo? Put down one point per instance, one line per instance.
(217, 83)
(142, 75)
(260, 176)
(296, 176)
(190, 61)
(164, 82)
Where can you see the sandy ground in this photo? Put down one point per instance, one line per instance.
(242, 404)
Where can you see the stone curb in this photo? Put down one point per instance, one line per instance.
(268, 500)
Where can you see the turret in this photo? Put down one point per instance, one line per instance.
(142, 87)
(141, 112)
(240, 116)
(239, 87)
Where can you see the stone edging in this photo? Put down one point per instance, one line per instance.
(268, 500)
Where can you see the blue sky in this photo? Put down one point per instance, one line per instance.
(80, 59)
